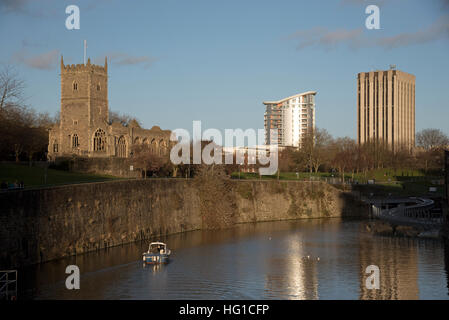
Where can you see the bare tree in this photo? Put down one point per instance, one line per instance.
(299, 160)
(432, 138)
(124, 119)
(146, 160)
(14, 124)
(11, 87)
(432, 159)
(286, 160)
(314, 147)
(345, 155)
(323, 141)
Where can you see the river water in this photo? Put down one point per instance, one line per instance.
(305, 259)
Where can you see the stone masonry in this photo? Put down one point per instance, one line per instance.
(84, 128)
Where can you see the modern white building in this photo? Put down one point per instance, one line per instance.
(249, 155)
(292, 117)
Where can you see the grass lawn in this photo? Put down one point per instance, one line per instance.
(390, 175)
(399, 182)
(380, 175)
(34, 176)
(282, 175)
(420, 188)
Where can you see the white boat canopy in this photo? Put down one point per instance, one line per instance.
(157, 244)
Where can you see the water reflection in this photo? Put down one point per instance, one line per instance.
(446, 263)
(292, 272)
(297, 280)
(398, 267)
(315, 259)
(153, 267)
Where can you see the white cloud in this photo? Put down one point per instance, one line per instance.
(13, 5)
(42, 61)
(124, 59)
(356, 38)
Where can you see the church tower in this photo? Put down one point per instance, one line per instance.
(84, 129)
(84, 108)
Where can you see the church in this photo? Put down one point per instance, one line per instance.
(84, 128)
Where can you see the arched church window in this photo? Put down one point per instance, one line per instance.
(75, 142)
(162, 148)
(100, 140)
(121, 147)
(75, 86)
(153, 146)
(55, 146)
(98, 87)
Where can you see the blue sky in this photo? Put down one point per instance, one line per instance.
(172, 62)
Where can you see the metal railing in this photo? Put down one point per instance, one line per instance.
(417, 215)
(8, 284)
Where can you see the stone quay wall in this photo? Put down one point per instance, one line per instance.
(46, 224)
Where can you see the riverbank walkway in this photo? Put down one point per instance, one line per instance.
(422, 213)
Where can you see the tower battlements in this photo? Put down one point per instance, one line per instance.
(84, 67)
(84, 128)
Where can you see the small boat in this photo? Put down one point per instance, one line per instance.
(157, 253)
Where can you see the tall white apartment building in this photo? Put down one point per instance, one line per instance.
(292, 117)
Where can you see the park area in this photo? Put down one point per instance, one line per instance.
(14, 175)
(378, 181)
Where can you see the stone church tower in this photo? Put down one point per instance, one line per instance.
(84, 104)
(84, 128)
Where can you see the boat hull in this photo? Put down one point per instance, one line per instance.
(155, 258)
